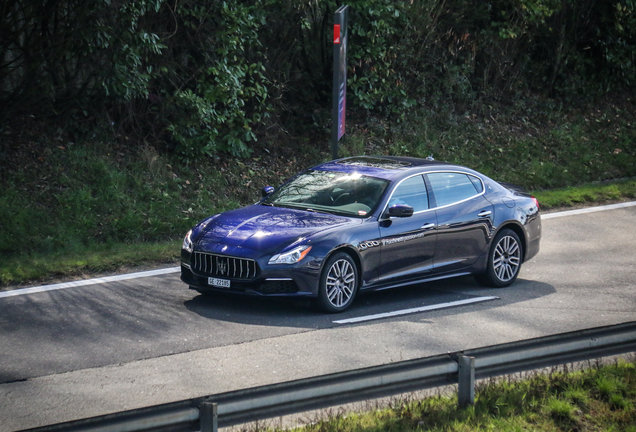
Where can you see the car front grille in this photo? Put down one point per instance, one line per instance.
(224, 266)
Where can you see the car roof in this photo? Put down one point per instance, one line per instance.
(386, 167)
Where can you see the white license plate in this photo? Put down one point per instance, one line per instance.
(222, 283)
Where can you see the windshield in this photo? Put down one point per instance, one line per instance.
(331, 192)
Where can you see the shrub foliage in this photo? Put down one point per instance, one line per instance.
(203, 76)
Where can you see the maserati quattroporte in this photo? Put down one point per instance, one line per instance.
(365, 223)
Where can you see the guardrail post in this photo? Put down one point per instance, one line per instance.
(466, 380)
(209, 417)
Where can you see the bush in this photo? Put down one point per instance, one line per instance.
(203, 77)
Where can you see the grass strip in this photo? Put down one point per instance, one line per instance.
(591, 193)
(101, 259)
(94, 260)
(601, 398)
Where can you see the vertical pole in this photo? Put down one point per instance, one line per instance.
(339, 93)
(209, 417)
(466, 381)
(336, 86)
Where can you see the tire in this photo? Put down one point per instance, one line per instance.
(338, 283)
(504, 260)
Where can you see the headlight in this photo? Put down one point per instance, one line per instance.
(187, 242)
(291, 257)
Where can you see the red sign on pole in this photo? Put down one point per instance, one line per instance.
(336, 33)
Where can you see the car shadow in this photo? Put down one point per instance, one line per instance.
(215, 304)
(300, 313)
(448, 291)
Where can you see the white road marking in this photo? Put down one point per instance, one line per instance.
(84, 282)
(143, 274)
(588, 210)
(415, 310)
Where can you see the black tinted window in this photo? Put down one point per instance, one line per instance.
(450, 188)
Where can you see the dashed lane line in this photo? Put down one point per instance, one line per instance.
(415, 310)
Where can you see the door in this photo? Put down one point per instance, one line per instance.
(464, 219)
(407, 244)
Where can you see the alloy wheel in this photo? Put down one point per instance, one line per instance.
(506, 258)
(340, 283)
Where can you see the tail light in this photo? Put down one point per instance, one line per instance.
(536, 201)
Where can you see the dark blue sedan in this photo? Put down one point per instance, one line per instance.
(365, 223)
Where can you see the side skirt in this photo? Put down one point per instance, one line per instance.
(381, 287)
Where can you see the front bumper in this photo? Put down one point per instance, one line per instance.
(298, 280)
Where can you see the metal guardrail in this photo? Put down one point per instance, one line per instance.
(462, 368)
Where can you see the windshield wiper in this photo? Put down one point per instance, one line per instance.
(317, 211)
(286, 205)
(342, 213)
(299, 206)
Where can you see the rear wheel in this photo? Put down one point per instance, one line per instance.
(338, 283)
(504, 260)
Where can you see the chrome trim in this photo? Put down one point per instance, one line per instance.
(279, 279)
(224, 266)
(386, 206)
(414, 281)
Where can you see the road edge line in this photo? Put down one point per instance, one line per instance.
(84, 282)
(588, 210)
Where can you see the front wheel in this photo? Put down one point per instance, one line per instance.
(338, 283)
(504, 260)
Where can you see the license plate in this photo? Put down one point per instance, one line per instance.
(222, 283)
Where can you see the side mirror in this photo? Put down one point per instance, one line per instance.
(401, 210)
(266, 191)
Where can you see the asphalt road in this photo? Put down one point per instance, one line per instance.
(90, 350)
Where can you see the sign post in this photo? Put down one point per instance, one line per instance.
(341, 18)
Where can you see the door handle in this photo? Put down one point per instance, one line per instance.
(428, 226)
(484, 213)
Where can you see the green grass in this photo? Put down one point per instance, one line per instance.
(557, 401)
(98, 207)
(94, 259)
(62, 202)
(590, 193)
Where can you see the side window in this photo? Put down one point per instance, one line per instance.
(411, 192)
(450, 188)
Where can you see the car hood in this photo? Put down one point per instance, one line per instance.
(262, 228)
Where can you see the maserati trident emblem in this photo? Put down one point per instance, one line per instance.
(221, 266)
